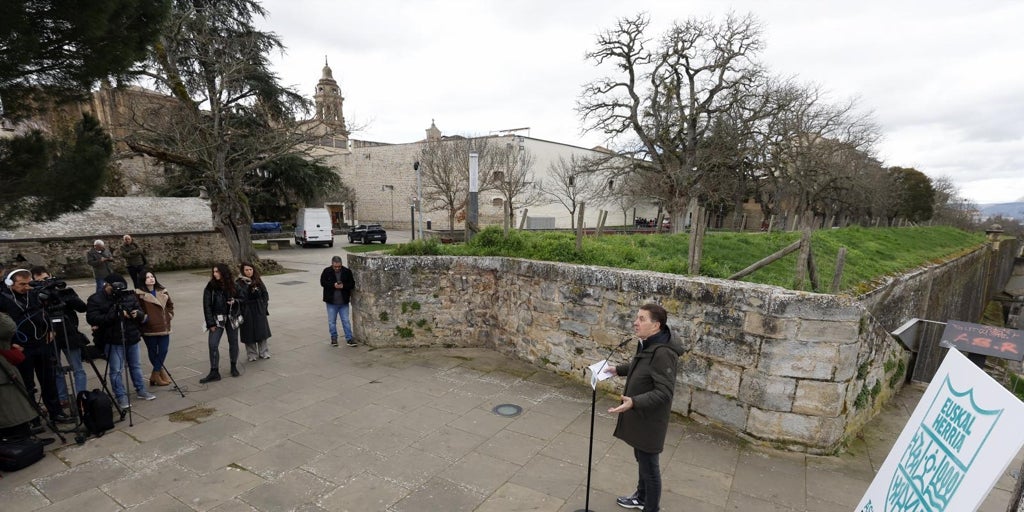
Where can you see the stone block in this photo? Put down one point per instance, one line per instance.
(741, 350)
(766, 391)
(824, 330)
(846, 366)
(693, 370)
(574, 327)
(814, 306)
(582, 314)
(724, 379)
(724, 319)
(816, 432)
(768, 326)
(800, 359)
(719, 409)
(820, 398)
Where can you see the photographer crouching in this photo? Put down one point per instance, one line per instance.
(115, 316)
(33, 335)
(62, 305)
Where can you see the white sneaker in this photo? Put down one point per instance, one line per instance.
(145, 395)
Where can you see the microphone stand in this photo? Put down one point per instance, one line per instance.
(593, 407)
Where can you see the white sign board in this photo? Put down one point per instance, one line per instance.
(964, 432)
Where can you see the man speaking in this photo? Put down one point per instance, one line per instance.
(647, 402)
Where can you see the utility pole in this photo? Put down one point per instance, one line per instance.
(419, 195)
(472, 208)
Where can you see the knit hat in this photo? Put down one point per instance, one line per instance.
(98, 242)
(114, 278)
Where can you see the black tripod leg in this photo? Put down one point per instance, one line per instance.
(176, 388)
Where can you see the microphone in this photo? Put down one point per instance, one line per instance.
(625, 342)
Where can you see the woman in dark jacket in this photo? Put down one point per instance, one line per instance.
(221, 313)
(254, 299)
(647, 402)
(156, 332)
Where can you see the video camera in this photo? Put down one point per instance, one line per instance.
(48, 291)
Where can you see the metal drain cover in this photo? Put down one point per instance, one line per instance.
(507, 410)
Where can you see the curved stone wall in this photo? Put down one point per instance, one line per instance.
(797, 370)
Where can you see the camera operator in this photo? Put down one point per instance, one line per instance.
(63, 303)
(115, 315)
(33, 334)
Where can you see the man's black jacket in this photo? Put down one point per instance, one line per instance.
(102, 312)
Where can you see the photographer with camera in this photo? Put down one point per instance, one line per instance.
(115, 315)
(22, 302)
(63, 305)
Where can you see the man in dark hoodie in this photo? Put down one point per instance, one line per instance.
(647, 402)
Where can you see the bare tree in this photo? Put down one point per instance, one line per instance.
(812, 150)
(668, 98)
(951, 208)
(573, 181)
(510, 167)
(445, 168)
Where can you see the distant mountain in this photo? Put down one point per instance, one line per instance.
(1008, 210)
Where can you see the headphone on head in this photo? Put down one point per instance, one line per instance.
(9, 281)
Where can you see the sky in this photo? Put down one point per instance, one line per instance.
(944, 79)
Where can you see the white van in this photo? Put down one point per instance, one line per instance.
(313, 226)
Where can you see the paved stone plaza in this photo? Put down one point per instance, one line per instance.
(363, 429)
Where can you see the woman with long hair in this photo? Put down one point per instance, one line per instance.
(221, 312)
(156, 331)
(254, 299)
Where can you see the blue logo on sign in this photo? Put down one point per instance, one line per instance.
(942, 450)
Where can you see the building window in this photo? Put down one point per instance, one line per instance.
(497, 202)
(498, 176)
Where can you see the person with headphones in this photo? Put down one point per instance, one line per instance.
(34, 336)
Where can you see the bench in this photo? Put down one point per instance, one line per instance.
(278, 243)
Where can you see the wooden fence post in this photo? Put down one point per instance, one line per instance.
(801, 260)
(837, 277)
(579, 228)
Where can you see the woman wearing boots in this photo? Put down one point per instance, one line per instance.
(220, 310)
(156, 331)
(253, 297)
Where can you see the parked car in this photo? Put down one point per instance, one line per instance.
(367, 233)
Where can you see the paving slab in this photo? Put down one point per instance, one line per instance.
(316, 428)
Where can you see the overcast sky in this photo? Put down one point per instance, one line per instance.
(944, 78)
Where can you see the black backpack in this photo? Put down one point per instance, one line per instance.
(21, 453)
(97, 411)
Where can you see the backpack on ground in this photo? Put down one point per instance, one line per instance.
(18, 454)
(97, 411)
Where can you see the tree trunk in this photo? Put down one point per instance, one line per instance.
(233, 219)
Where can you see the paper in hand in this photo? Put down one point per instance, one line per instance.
(597, 373)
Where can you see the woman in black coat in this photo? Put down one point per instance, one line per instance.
(221, 311)
(254, 299)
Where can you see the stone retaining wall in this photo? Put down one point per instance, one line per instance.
(167, 251)
(797, 370)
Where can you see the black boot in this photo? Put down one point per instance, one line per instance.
(213, 376)
(234, 370)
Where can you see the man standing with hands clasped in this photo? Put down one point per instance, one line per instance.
(647, 402)
(338, 284)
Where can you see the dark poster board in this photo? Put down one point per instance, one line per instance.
(984, 339)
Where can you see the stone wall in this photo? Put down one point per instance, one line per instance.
(797, 370)
(66, 257)
(951, 290)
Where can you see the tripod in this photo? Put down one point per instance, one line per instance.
(593, 407)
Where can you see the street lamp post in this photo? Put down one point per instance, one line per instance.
(419, 195)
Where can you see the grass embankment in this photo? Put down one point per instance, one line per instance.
(872, 253)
